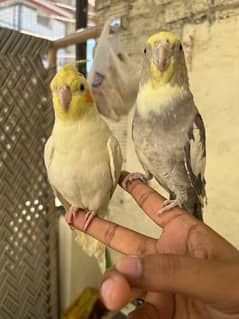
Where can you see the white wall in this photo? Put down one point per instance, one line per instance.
(29, 23)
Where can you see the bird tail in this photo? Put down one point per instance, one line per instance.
(197, 210)
(93, 247)
(193, 205)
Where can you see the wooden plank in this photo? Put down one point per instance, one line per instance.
(77, 37)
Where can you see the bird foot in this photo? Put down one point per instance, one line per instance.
(133, 176)
(169, 204)
(70, 215)
(89, 216)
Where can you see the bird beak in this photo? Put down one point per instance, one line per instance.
(161, 56)
(64, 96)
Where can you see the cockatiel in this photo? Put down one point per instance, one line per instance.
(168, 131)
(82, 157)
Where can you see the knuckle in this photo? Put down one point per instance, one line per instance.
(170, 265)
(141, 248)
(110, 234)
(144, 197)
(146, 246)
(160, 270)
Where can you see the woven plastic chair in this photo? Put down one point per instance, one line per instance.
(28, 223)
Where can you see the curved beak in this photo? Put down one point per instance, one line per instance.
(64, 96)
(161, 57)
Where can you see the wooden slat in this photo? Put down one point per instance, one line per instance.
(77, 37)
(80, 36)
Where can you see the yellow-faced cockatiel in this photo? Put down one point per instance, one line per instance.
(82, 157)
(168, 131)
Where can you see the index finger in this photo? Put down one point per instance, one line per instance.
(117, 237)
(150, 201)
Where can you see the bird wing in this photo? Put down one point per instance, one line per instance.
(195, 156)
(115, 158)
(49, 152)
(48, 156)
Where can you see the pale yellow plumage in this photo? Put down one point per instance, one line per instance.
(176, 65)
(82, 157)
(165, 94)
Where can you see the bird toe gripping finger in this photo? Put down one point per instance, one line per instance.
(89, 216)
(70, 215)
(169, 204)
(133, 176)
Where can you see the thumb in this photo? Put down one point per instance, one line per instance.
(212, 281)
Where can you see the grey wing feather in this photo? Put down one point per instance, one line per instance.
(195, 156)
(115, 159)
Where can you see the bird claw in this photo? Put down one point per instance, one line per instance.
(89, 216)
(70, 215)
(169, 204)
(133, 176)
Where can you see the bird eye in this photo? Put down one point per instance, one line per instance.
(145, 51)
(82, 87)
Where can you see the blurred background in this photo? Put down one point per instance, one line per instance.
(209, 30)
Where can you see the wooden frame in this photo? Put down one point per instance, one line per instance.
(73, 38)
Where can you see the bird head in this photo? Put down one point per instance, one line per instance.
(164, 60)
(71, 94)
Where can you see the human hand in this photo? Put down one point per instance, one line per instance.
(189, 272)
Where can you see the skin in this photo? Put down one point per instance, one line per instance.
(189, 272)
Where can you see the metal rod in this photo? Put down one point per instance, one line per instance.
(81, 22)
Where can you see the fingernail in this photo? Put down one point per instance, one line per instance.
(106, 291)
(130, 266)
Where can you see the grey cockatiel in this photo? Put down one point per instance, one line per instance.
(168, 131)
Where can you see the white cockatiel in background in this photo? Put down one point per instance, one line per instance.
(82, 157)
(168, 131)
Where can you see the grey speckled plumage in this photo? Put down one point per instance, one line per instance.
(164, 143)
(169, 139)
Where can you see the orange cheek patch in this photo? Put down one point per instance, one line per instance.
(88, 97)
